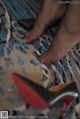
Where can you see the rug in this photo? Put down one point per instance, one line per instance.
(16, 56)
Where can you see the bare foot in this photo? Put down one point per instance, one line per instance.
(51, 10)
(59, 47)
(68, 36)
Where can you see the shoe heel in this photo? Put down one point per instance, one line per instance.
(68, 101)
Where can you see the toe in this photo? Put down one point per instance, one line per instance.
(48, 58)
(29, 37)
(41, 59)
(26, 37)
(44, 59)
(33, 34)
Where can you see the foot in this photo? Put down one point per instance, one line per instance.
(67, 36)
(62, 43)
(50, 11)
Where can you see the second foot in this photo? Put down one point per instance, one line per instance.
(62, 43)
(50, 12)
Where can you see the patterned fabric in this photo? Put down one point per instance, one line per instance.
(16, 56)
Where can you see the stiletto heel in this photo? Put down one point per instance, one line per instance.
(68, 101)
(39, 97)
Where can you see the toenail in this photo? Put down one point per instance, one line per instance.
(24, 40)
(42, 61)
(27, 34)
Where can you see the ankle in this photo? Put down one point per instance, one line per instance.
(72, 30)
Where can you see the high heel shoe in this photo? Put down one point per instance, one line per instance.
(39, 97)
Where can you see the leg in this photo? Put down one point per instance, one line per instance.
(51, 10)
(67, 36)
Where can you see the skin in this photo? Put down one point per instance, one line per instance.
(68, 34)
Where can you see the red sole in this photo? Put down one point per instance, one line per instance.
(29, 95)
